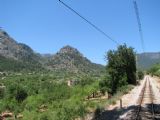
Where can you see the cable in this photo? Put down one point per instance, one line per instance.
(87, 21)
(139, 25)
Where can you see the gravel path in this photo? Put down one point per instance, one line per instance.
(155, 83)
(113, 112)
(129, 102)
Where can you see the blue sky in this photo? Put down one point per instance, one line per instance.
(46, 25)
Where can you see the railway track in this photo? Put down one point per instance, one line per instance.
(147, 106)
(145, 109)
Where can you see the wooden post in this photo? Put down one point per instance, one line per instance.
(93, 95)
(120, 103)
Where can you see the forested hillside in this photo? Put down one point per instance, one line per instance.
(147, 60)
(48, 96)
(16, 56)
(70, 59)
(155, 70)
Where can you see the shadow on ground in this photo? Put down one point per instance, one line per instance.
(129, 111)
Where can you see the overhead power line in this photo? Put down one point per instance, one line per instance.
(139, 24)
(89, 22)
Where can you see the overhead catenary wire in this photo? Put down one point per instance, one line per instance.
(90, 23)
(139, 25)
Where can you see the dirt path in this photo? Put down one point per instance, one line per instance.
(113, 112)
(129, 101)
(155, 83)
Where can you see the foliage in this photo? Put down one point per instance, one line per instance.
(21, 94)
(7, 64)
(103, 85)
(121, 68)
(69, 59)
(28, 93)
(86, 80)
(2, 92)
(98, 112)
(40, 94)
(140, 75)
(154, 70)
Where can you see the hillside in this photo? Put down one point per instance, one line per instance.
(147, 60)
(70, 59)
(9, 48)
(18, 56)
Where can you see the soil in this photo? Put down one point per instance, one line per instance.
(129, 102)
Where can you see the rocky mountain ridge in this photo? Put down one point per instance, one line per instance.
(66, 59)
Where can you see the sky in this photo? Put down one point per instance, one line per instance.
(47, 25)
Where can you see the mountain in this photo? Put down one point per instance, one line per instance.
(70, 59)
(17, 51)
(147, 60)
(18, 56)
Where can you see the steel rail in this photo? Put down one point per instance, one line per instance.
(141, 100)
(152, 104)
(139, 107)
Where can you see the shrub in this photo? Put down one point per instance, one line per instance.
(140, 75)
(21, 94)
(98, 113)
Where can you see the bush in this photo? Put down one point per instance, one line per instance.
(2, 92)
(103, 85)
(98, 113)
(140, 75)
(21, 94)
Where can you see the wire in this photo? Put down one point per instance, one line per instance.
(93, 25)
(139, 25)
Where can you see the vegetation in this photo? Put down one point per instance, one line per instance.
(146, 60)
(36, 86)
(154, 70)
(140, 75)
(70, 59)
(121, 69)
(7, 64)
(42, 96)
(19, 57)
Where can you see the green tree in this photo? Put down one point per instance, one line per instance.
(121, 67)
(2, 92)
(140, 75)
(21, 94)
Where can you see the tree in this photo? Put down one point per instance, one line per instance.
(121, 67)
(2, 91)
(21, 94)
(140, 75)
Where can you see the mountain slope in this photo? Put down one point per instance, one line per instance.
(17, 51)
(147, 60)
(70, 59)
(18, 55)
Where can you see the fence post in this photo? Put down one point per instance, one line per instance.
(120, 103)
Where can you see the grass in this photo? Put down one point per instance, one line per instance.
(63, 102)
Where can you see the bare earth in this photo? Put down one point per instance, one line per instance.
(129, 101)
(155, 83)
